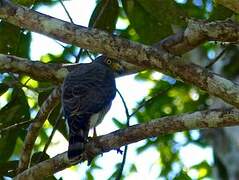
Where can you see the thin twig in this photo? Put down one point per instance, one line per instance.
(58, 120)
(68, 14)
(60, 44)
(14, 126)
(120, 171)
(217, 58)
(128, 123)
(17, 83)
(125, 105)
(25, 84)
(79, 55)
(149, 100)
(88, 54)
(93, 26)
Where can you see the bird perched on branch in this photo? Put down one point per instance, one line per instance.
(87, 94)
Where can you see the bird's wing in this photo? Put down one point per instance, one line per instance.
(88, 90)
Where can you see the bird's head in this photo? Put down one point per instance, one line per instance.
(115, 65)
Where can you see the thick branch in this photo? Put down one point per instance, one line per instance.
(135, 53)
(78, 35)
(225, 31)
(202, 119)
(35, 127)
(53, 72)
(37, 70)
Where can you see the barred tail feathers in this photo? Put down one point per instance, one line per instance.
(78, 133)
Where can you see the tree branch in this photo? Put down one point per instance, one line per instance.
(35, 69)
(81, 36)
(135, 53)
(35, 127)
(14, 126)
(216, 58)
(201, 119)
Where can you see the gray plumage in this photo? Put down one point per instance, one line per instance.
(87, 93)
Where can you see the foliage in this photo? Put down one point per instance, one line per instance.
(149, 22)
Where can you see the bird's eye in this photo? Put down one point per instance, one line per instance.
(108, 61)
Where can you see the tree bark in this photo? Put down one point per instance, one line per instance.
(101, 144)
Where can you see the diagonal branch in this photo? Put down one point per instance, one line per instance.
(136, 53)
(14, 126)
(66, 11)
(201, 119)
(197, 32)
(218, 57)
(35, 127)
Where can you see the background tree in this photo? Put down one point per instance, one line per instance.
(186, 40)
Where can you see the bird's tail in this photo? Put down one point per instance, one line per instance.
(79, 128)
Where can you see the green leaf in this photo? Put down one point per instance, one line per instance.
(193, 11)
(119, 124)
(14, 40)
(159, 8)
(15, 111)
(89, 175)
(27, 3)
(105, 15)
(3, 88)
(149, 19)
(133, 168)
(8, 168)
(182, 175)
(40, 3)
(7, 144)
(116, 172)
(220, 13)
(145, 146)
(205, 167)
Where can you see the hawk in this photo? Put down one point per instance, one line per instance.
(87, 94)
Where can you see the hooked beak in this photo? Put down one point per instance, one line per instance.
(118, 68)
